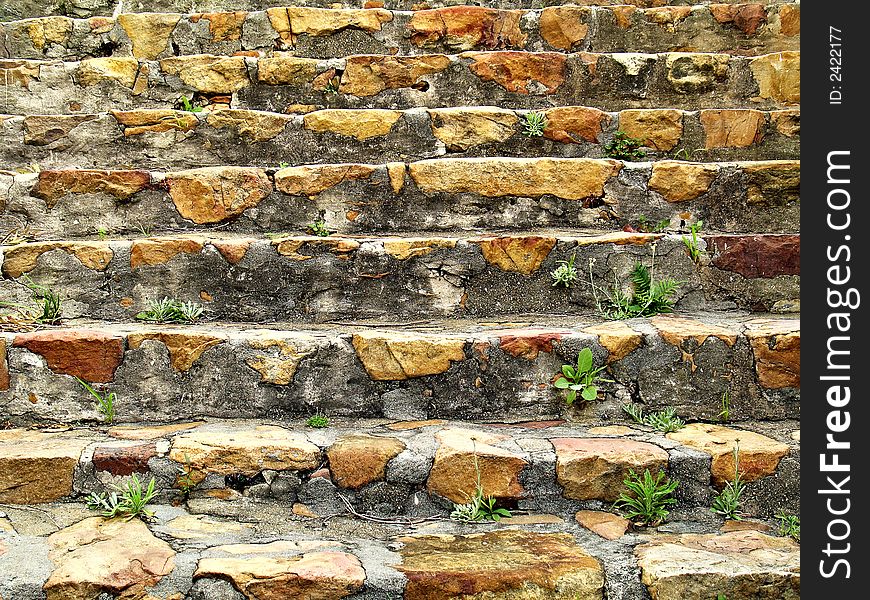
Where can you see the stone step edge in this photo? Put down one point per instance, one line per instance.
(663, 132)
(383, 360)
(197, 556)
(771, 80)
(152, 35)
(226, 460)
(199, 195)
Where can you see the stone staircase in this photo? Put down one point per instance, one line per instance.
(197, 150)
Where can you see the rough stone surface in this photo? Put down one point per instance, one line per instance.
(660, 129)
(98, 555)
(317, 575)
(519, 72)
(358, 460)
(463, 128)
(151, 252)
(607, 525)
(184, 347)
(743, 565)
(522, 255)
(778, 76)
(563, 27)
(732, 128)
(396, 356)
(454, 476)
(500, 564)
(571, 179)
(370, 75)
(359, 124)
(777, 349)
(467, 27)
(619, 339)
(89, 354)
(208, 74)
(149, 32)
(679, 181)
(595, 468)
(226, 450)
(758, 455)
(37, 467)
(53, 185)
(215, 194)
(573, 124)
(125, 459)
(755, 256)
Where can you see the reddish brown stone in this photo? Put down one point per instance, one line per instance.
(755, 256)
(790, 19)
(357, 460)
(152, 252)
(124, 460)
(746, 17)
(777, 349)
(85, 353)
(571, 124)
(520, 72)
(370, 75)
(467, 27)
(53, 185)
(527, 344)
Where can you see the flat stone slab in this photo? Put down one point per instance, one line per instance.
(98, 555)
(499, 565)
(742, 565)
(37, 467)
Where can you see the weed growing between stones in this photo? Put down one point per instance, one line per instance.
(649, 499)
(534, 124)
(126, 501)
(479, 507)
(170, 310)
(580, 378)
(48, 303)
(105, 402)
(624, 147)
(318, 421)
(185, 482)
(318, 227)
(727, 503)
(665, 420)
(691, 244)
(644, 226)
(648, 297)
(725, 414)
(188, 106)
(789, 525)
(566, 273)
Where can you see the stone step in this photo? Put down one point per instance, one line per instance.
(511, 79)
(748, 29)
(188, 556)
(401, 468)
(316, 279)
(447, 194)
(488, 370)
(210, 137)
(17, 9)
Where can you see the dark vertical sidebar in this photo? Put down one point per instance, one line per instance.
(834, 257)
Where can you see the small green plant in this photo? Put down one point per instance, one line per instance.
(283, 164)
(648, 297)
(48, 302)
(565, 274)
(144, 229)
(648, 497)
(682, 154)
(169, 310)
(188, 106)
(479, 507)
(185, 480)
(332, 86)
(789, 525)
(721, 597)
(318, 421)
(727, 503)
(624, 147)
(318, 227)
(725, 414)
(102, 233)
(580, 378)
(534, 124)
(105, 402)
(692, 243)
(127, 501)
(665, 420)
